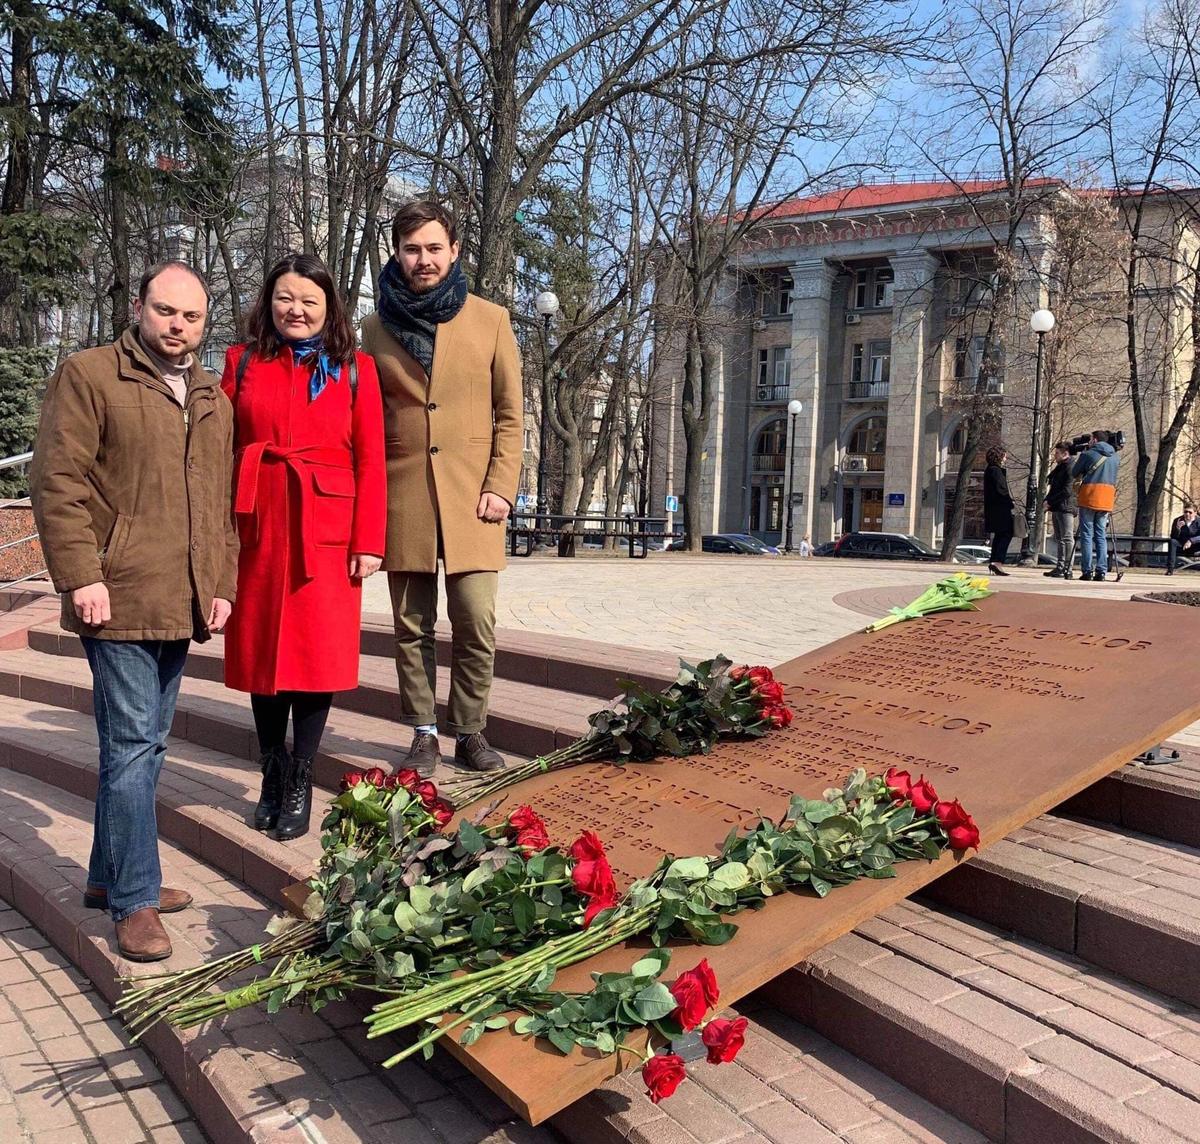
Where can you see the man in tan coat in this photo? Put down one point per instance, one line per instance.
(451, 383)
(130, 481)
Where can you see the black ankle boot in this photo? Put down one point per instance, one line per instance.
(297, 800)
(272, 763)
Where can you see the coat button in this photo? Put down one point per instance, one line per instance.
(433, 451)
(195, 546)
(431, 406)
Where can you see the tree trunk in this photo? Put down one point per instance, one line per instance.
(118, 235)
(270, 238)
(17, 174)
(306, 221)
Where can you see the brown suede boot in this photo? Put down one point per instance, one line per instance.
(475, 752)
(169, 901)
(424, 754)
(141, 937)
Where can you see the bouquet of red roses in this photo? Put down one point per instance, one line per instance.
(706, 702)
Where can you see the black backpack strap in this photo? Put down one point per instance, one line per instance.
(353, 377)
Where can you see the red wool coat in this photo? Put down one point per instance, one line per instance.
(310, 489)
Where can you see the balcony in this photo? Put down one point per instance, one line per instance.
(868, 391)
(771, 394)
(770, 462)
(862, 463)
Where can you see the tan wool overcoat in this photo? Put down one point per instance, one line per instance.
(133, 490)
(450, 437)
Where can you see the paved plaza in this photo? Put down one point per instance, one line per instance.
(759, 609)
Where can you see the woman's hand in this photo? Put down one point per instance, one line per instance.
(362, 565)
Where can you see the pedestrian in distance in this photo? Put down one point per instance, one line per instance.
(997, 508)
(806, 548)
(130, 485)
(1184, 537)
(453, 413)
(1061, 504)
(1096, 469)
(309, 501)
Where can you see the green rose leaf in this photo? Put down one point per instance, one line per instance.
(483, 929)
(421, 898)
(523, 911)
(470, 839)
(527, 1024)
(690, 868)
(652, 964)
(731, 876)
(497, 1022)
(562, 1040)
(654, 1001)
(473, 1033)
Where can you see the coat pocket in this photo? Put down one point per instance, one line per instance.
(110, 557)
(333, 507)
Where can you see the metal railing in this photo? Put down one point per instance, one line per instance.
(11, 463)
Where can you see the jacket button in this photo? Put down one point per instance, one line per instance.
(433, 451)
(431, 406)
(195, 546)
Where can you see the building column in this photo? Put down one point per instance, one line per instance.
(912, 302)
(812, 288)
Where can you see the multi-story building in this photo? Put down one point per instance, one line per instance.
(870, 308)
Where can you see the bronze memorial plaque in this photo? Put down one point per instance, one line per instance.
(1011, 709)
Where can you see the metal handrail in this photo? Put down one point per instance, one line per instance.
(9, 463)
(16, 459)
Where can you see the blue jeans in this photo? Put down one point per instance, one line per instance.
(1093, 539)
(134, 687)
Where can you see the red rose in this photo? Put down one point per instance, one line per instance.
(441, 811)
(598, 905)
(778, 717)
(391, 782)
(426, 792)
(662, 1075)
(959, 826)
(351, 779)
(923, 796)
(739, 672)
(696, 991)
(760, 675)
(374, 776)
(525, 817)
(530, 830)
(724, 1039)
(592, 875)
(770, 693)
(408, 778)
(899, 784)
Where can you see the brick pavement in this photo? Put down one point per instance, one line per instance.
(755, 609)
(68, 1072)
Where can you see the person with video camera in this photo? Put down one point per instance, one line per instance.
(1096, 470)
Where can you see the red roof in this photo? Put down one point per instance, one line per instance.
(874, 196)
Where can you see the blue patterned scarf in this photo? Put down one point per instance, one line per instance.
(324, 370)
(412, 318)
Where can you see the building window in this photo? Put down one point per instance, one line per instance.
(770, 448)
(968, 362)
(881, 363)
(785, 295)
(873, 288)
(856, 363)
(976, 281)
(869, 440)
(774, 374)
(884, 280)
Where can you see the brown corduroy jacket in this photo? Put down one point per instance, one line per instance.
(132, 490)
(450, 437)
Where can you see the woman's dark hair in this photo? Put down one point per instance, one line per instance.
(996, 454)
(264, 339)
(412, 216)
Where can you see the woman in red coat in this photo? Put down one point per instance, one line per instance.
(309, 498)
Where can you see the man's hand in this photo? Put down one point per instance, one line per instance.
(219, 614)
(492, 509)
(91, 604)
(362, 565)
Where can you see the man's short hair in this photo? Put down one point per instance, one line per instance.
(1101, 436)
(412, 216)
(155, 270)
(1062, 447)
(1189, 508)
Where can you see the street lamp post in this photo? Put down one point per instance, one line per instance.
(1041, 322)
(795, 408)
(546, 304)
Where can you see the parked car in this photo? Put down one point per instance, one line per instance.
(972, 554)
(825, 549)
(884, 546)
(739, 543)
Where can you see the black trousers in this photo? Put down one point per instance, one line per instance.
(308, 711)
(1000, 543)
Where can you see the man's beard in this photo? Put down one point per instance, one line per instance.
(424, 285)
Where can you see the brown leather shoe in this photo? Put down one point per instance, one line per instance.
(473, 751)
(141, 937)
(169, 901)
(424, 754)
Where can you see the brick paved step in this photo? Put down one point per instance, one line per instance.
(1026, 1044)
(523, 718)
(1161, 800)
(315, 1077)
(1123, 901)
(69, 1073)
(210, 715)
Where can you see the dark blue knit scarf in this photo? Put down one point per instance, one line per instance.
(412, 318)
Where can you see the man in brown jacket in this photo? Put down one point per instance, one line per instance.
(451, 383)
(131, 481)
